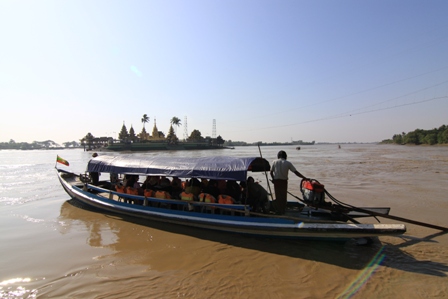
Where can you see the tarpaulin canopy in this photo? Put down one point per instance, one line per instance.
(220, 167)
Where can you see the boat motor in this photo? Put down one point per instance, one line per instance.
(313, 192)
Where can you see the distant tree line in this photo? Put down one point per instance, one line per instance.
(419, 136)
(260, 143)
(47, 144)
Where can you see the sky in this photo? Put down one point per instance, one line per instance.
(270, 71)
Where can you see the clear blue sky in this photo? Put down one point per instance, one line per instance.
(330, 71)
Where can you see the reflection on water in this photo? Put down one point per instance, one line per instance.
(121, 234)
(13, 288)
(166, 253)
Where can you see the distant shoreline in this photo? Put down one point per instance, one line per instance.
(18, 146)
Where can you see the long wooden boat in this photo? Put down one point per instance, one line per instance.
(300, 221)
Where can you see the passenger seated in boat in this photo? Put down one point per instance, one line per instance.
(225, 199)
(145, 183)
(164, 188)
(113, 180)
(222, 185)
(162, 194)
(187, 196)
(127, 178)
(149, 193)
(165, 184)
(133, 186)
(257, 196)
(233, 190)
(150, 182)
(194, 186)
(176, 187)
(204, 183)
(176, 181)
(212, 188)
(205, 197)
(131, 180)
(120, 188)
(132, 190)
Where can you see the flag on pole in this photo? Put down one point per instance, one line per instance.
(62, 161)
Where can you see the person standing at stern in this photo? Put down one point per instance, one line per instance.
(279, 173)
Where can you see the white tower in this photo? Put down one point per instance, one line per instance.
(214, 129)
(185, 129)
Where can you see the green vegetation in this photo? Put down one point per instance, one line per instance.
(419, 136)
(48, 144)
(171, 138)
(145, 119)
(195, 136)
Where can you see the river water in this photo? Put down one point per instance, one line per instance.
(51, 248)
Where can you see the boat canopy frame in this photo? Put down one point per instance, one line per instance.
(214, 167)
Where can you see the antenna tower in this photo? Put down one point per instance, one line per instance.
(214, 129)
(185, 129)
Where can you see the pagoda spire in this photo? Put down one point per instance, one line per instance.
(155, 131)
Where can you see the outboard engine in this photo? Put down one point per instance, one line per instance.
(313, 192)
